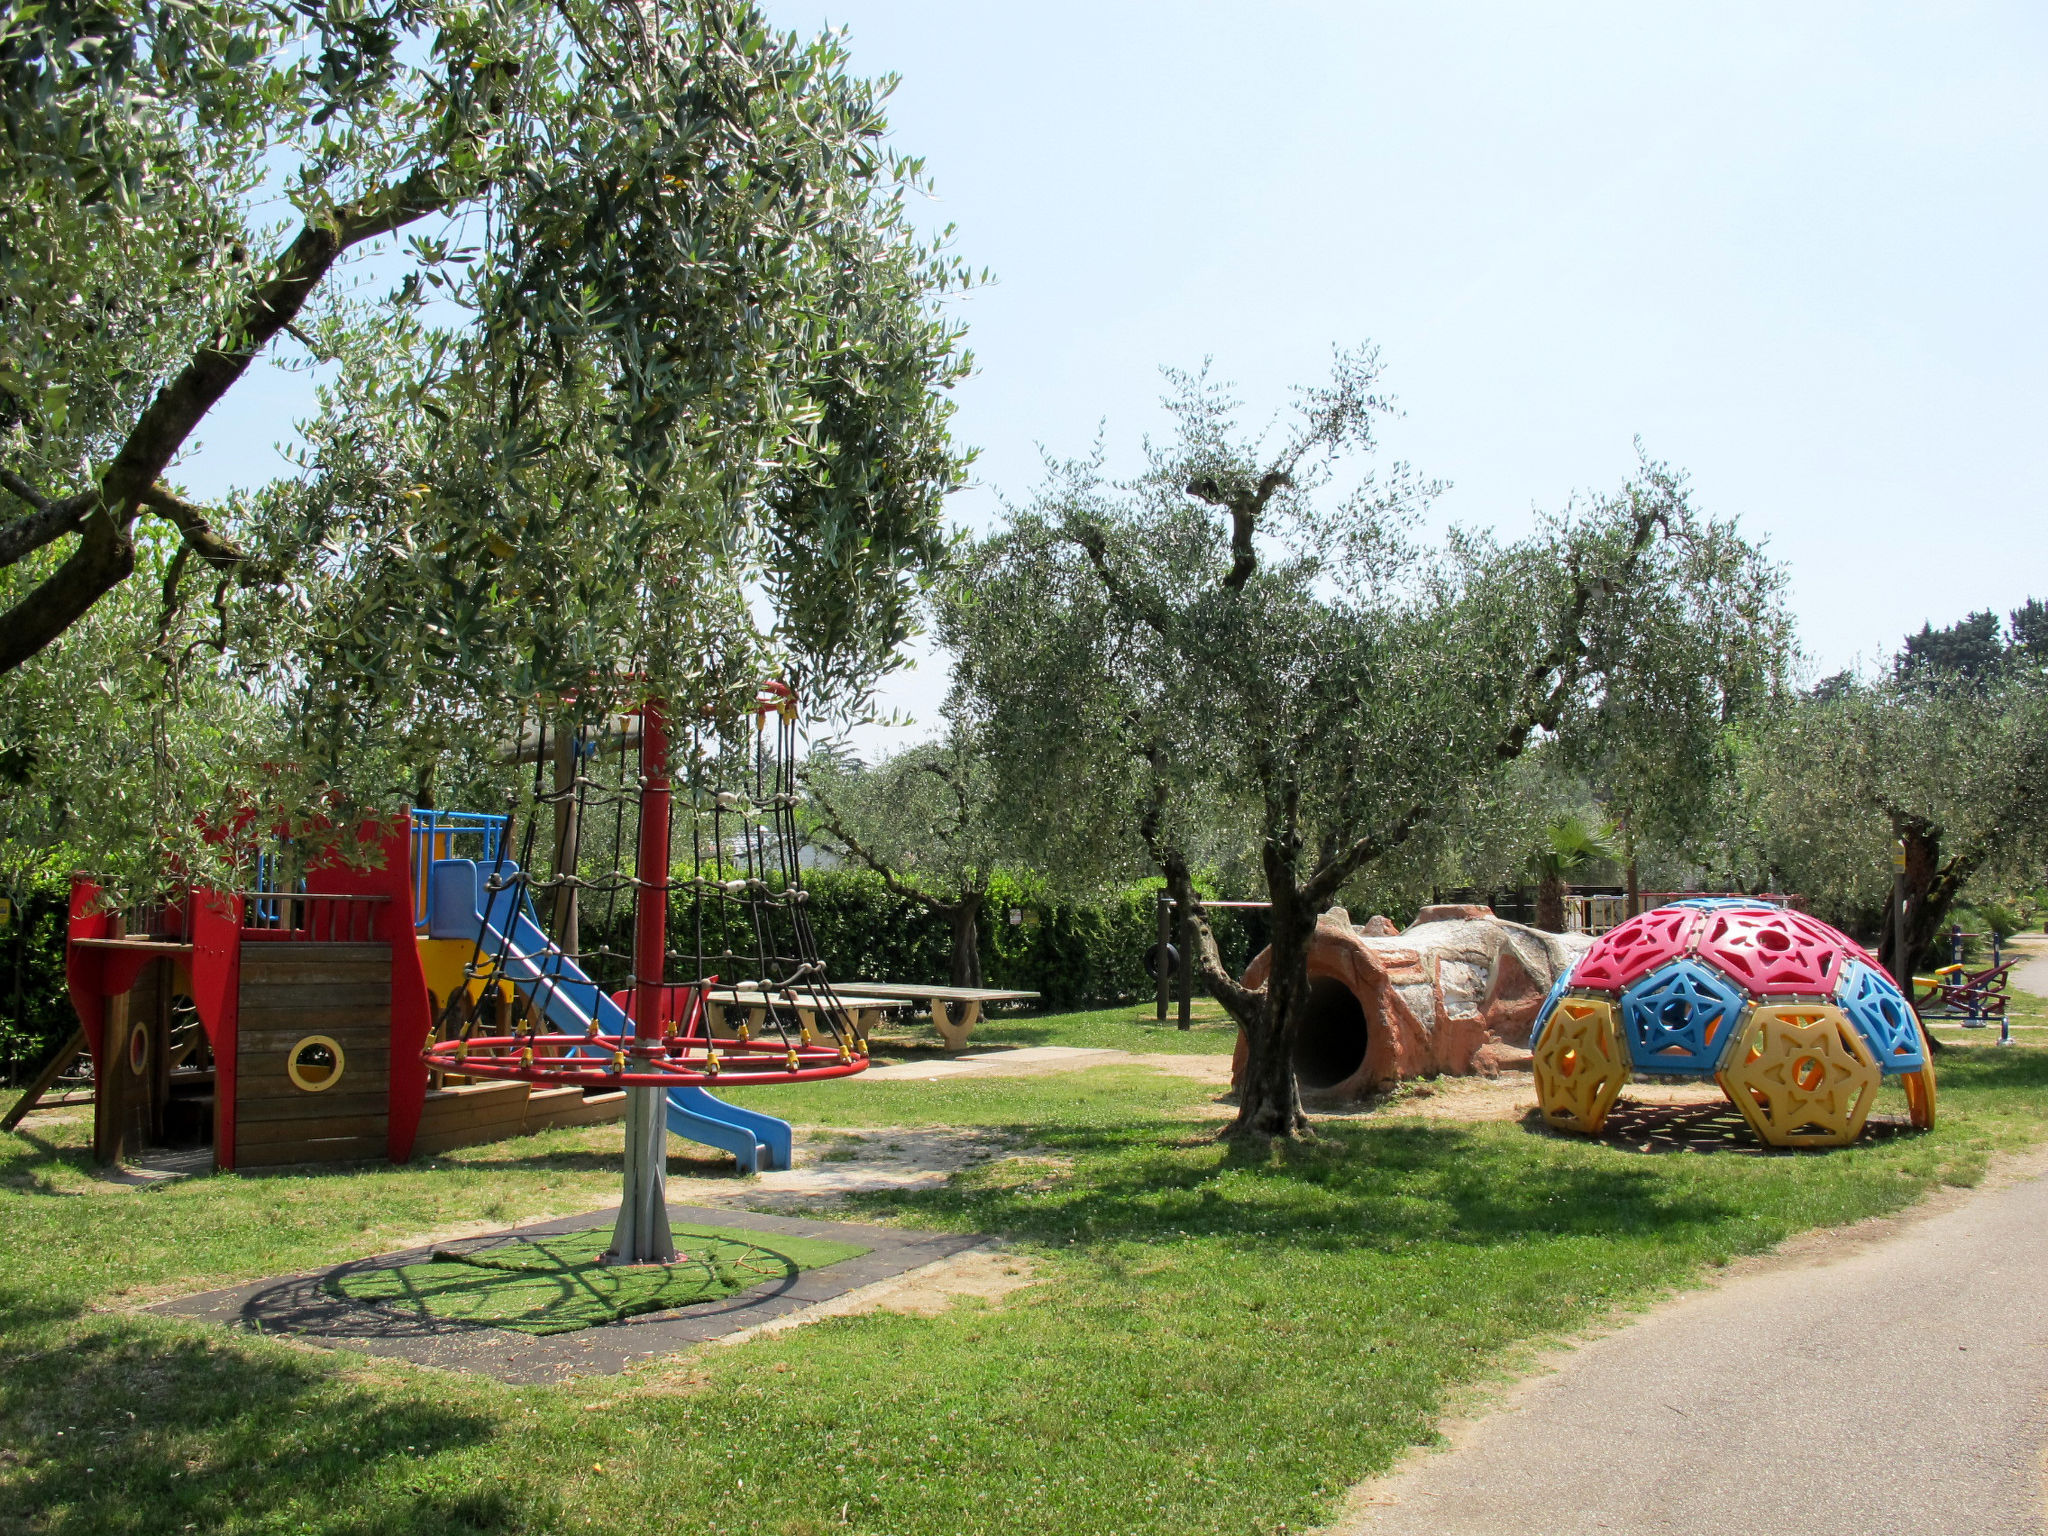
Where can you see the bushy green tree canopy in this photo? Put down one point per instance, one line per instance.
(657, 404)
(1235, 625)
(1947, 764)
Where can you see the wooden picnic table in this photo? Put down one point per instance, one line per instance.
(953, 1028)
(864, 1009)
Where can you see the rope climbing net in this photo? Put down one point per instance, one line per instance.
(543, 1007)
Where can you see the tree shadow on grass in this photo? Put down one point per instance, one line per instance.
(1357, 1187)
(130, 1426)
(1989, 1066)
(29, 1166)
(1659, 1129)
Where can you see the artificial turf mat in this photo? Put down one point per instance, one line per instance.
(556, 1284)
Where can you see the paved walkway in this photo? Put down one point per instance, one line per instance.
(1899, 1387)
(2032, 976)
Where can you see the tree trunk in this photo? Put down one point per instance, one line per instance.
(1268, 1098)
(964, 917)
(1931, 891)
(1550, 903)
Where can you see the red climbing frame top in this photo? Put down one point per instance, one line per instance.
(678, 1055)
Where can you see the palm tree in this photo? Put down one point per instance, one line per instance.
(1569, 845)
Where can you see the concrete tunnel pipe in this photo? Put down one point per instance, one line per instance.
(1334, 1035)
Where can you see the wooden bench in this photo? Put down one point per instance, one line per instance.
(953, 1027)
(863, 1008)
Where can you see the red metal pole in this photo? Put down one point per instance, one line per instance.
(650, 911)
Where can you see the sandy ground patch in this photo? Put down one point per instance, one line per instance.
(987, 1274)
(1508, 1097)
(834, 1163)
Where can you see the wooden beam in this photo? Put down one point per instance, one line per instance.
(52, 1070)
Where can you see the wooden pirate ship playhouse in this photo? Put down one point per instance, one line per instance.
(288, 1026)
(421, 1003)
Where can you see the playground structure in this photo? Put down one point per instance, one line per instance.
(420, 1004)
(1974, 997)
(1457, 992)
(1796, 1021)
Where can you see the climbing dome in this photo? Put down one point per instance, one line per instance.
(1795, 1020)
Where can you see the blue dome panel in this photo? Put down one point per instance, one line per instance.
(1680, 1019)
(1558, 988)
(1883, 1018)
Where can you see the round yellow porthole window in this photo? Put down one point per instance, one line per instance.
(138, 1049)
(316, 1063)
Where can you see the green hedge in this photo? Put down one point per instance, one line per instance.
(35, 1013)
(1074, 954)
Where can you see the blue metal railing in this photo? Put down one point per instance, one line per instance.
(438, 834)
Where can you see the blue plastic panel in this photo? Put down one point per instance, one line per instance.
(1558, 988)
(1680, 1019)
(1883, 1018)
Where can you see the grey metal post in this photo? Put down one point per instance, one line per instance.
(641, 1234)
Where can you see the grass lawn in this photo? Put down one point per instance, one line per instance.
(1222, 1342)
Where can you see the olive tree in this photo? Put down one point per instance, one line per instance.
(1952, 776)
(689, 218)
(658, 403)
(1236, 622)
(920, 819)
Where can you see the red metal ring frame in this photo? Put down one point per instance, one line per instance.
(612, 1061)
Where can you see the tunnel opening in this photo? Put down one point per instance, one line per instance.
(1332, 1042)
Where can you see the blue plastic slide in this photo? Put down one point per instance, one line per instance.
(569, 1000)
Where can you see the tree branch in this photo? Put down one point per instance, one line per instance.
(1091, 542)
(1547, 685)
(50, 521)
(105, 558)
(1245, 509)
(1323, 885)
(24, 490)
(200, 537)
(1240, 1001)
(829, 819)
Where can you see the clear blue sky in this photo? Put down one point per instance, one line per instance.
(1798, 250)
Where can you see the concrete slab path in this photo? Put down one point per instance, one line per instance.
(2032, 974)
(1900, 1386)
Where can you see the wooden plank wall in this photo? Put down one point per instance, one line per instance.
(128, 1107)
(290, 991)
(469, 1113)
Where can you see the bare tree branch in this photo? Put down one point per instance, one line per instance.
(1245, 508)
(199, 536)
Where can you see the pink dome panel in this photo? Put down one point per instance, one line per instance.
(1631, 950)
(1774, 953)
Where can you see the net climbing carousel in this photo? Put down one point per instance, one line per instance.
(652, 1037)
